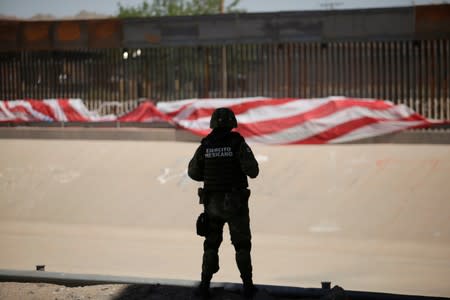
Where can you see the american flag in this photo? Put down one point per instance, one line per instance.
(261, 120)
(48, 110)
(299, 121)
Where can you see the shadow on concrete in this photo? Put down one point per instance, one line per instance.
(166, 292)
(147, 291)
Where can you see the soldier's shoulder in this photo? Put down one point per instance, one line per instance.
(236, 135)
(205, 140)
(236, 139)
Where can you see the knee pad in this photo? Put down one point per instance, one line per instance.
(210, 262)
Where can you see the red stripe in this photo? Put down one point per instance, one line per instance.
(21, 113)
(345, 128)
(239, 108)
(15, 120)
(276, 125)
(40, 106)
(144, 112)
(174, 113)
(71, 114)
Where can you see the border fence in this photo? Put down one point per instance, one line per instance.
(400, 54)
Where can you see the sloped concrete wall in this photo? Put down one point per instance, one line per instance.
(366, 217)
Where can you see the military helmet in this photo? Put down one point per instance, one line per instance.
(223, 118)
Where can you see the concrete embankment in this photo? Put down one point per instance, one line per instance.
(367, 217)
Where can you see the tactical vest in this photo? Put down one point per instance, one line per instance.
(222, 168)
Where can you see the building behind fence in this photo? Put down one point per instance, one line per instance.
(399, 54)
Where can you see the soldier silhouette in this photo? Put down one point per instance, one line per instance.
(223, 161)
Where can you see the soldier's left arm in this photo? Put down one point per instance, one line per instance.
(249, 164)
(195, 168)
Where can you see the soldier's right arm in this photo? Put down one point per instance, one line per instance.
(195, 168)
(249, 164)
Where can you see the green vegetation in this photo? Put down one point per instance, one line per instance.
(176, 8)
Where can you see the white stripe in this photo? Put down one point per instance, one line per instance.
(212, 103)
(93, 116)
(79, 107)
(376, 129)
(202, 103)
(199, 124)
(270, 112)
(171, 106)
(290, 109)
(27, 105)
(315, 126)
(263, 113)
(57, 110)
(6, 114)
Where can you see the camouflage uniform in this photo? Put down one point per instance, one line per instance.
(223, 161)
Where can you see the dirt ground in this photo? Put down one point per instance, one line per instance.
(43, 291)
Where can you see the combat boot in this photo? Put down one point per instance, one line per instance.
(249, 289)
(202, 290)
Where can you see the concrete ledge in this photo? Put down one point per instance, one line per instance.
(73, 280)
(410, 137)
(77, 133)
(168, 133)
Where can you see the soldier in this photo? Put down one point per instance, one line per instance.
(223, 161)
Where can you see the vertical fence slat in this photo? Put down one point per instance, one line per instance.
(404, 57)
(389, 73)
(272, 76)
(321, 72)
(340, 70)
(415, 76)
(427, 78)
(259, 74)
(34, 80)
(295, 70)
(245, 71)
(16, 76)
(4, 82)
(359, 70)
(334, 67)
(4, 79)
(363, 69)
(356, 77)
(326, 71)
(314, 70)
(377, 70)
(442, 81)
(302, 73)
(421, 81)
(343, 73)
(153, 64)
(447, 78)
(435, 84)
(349, 69)
(192, 62)
(410, 73)
(77, 78)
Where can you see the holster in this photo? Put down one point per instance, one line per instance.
(202, 224)
(202, 220)
(201, 195)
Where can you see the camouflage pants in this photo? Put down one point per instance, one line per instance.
(231, 208)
